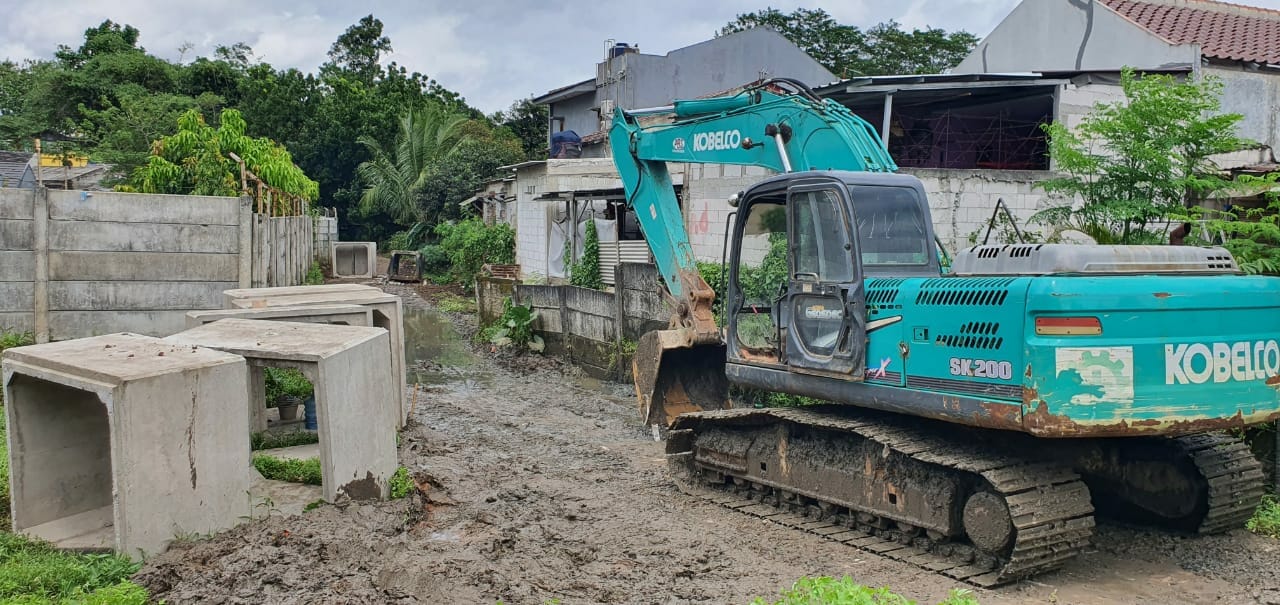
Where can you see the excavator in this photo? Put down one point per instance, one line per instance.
(969, 414)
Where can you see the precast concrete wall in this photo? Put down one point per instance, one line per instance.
(76, 264)
(587, 326)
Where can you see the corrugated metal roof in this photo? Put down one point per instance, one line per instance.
(1223, 31)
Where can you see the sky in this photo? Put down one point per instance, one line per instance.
(493, 52)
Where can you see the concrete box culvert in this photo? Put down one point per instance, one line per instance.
(123, 442)
(387, 312)
(356, 402)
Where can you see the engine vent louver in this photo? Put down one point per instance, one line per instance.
(883, 293)
(964, 292)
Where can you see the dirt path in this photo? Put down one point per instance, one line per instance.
(542, 485)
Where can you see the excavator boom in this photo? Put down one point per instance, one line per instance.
(760, 126)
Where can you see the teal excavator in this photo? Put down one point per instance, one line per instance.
(975, 412)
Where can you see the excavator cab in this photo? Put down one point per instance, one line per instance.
(794, 302)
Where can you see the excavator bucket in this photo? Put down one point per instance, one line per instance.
(674, 377)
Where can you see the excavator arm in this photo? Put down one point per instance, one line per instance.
(682, 369)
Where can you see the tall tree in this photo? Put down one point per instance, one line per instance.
(528, 122)
(848, 51)
(1141, 160)
(358, 50)
(393, 177)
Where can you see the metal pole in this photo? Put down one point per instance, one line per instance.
(888, 114)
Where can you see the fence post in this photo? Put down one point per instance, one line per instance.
(40, 289)
(246, 241)
(619, 287)
(565, 332)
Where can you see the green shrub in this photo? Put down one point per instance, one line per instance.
(515, 328)
(1266, 520)
(435, 260)
(401, 483)
(271, 441)
(315, 276)
(830, 591)
(286, 381)
(287, 469)
(586, 272)
(35, 572)
(470, 245)
(13, 338)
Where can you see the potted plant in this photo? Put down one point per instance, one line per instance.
(286, 389)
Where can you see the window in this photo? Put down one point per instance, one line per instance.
(762, 274)
(823, 251)
(891, 227)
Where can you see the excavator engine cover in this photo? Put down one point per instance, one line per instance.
(674, 377)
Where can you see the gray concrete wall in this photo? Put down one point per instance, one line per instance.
(577, 114)
(1256, 96)
(1050, 35)
(587, 326)
(74, 265)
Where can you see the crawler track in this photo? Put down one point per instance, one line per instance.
(1233, 478)
(1049, 513)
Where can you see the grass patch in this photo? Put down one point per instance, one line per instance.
(314, 504)
(401, 484)
(450, 303)
(268, 440)
(1266, 520)
(35, 572)
(285, 469)
(4, 473)
(830, 591)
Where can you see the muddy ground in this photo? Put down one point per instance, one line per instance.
(541, 484)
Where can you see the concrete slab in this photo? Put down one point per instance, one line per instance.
(356, 402)
(124, 441)
(230, 296)
(348, 315)
(388, 313)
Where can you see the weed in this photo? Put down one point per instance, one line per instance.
(35, 572)
(13, 338)
(830, 591)
(515, 328)
(456, 304)
(269, 440)
(287, 469)
(401, 484)
(313, 505)
(1266, 520)
(315, 276)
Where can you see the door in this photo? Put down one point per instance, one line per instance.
(826, 304)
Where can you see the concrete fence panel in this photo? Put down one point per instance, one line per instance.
(75, 264)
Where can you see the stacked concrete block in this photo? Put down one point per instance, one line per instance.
(353, 259)
(387, 311)
(347, 315)
(357, 406)
(124, 442)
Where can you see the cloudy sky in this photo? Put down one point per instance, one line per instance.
(491, 51)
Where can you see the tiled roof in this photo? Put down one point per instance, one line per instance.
(1223, 31)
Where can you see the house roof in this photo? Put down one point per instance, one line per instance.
(1223, 31)
(567, 92)
(12, 165)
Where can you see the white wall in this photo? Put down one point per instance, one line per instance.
(1254, 95)
(1059, 35)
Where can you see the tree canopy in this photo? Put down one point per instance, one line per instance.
(848, 51)
(1142, 160)
(111, 99)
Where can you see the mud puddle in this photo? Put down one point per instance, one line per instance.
(437, 354)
